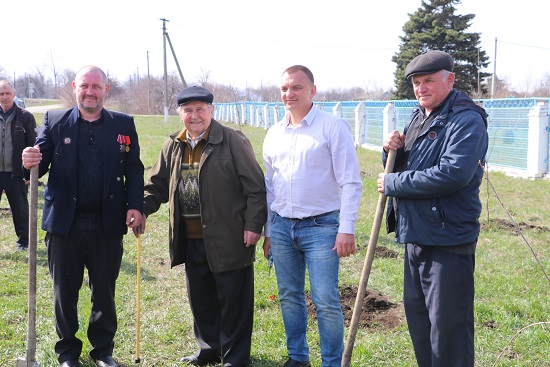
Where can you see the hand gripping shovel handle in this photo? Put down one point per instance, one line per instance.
(138, 296)
(346, 357)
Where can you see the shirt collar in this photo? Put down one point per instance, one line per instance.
(184, 136)
(8, 112)
(307, 118)
(97, 121)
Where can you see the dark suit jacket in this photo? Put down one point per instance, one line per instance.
(123, 171)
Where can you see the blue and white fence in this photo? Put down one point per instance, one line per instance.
(519, 142)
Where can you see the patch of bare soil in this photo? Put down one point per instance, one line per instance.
(5, 212)
(384, 252)
(511, 354)
(490, 324)
(378, 312)
(509, 225)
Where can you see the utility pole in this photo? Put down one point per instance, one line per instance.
(176, 60)
(478, 81)
(494, 71)
(148, 87)
(165, 70)
(167, 37)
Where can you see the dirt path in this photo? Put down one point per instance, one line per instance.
(43, 109)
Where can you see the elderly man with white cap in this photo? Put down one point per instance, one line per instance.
(209, 176)
(433, 209)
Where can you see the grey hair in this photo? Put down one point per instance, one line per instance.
(445, 74)
(4, 81)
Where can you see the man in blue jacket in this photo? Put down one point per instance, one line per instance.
(434, 208)
(94, 192)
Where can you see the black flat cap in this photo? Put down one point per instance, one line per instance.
(429, 63)
(194, 93)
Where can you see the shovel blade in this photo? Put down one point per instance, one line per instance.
(22, 362)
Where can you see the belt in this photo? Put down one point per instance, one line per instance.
(84, 214)
(313, 217)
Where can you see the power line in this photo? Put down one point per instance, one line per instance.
(337, 44)
(522, 45)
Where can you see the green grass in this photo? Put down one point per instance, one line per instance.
(511, 290)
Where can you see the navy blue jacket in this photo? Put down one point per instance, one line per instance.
(437, 194)
(123, 171)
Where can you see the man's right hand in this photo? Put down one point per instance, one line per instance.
(393, 141)
(140, 229)
(31, 156)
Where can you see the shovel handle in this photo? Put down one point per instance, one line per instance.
(138, 296)
(362, 290)
(33, 228)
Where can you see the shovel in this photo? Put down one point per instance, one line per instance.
(346, 357)
(138, 295)
(30, 360)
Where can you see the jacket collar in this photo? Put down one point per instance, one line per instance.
(215, 136)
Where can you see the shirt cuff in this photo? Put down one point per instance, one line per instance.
(267, 229)
(347, 226)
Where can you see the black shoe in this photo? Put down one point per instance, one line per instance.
(292, 363)
(69, 363)
(106, 361)
(195, 361)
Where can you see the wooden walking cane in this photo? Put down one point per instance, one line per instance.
(346, 357)
(30, 360)
(138, 295)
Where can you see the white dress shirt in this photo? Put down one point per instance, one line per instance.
(312, 169)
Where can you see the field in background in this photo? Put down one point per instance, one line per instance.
(511, 290)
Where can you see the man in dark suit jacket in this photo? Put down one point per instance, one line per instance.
(94, 193)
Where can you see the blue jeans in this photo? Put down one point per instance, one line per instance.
(296, 244)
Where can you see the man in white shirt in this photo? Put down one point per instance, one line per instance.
(313, 194)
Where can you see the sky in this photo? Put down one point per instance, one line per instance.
(248, 43)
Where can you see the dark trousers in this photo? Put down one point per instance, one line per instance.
(86, 246)
(16, 191)
(222, 305)
(439, 306)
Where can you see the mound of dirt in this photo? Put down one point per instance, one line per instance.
(384, 252)
(509, 225)
(5, 212)
(378, 312)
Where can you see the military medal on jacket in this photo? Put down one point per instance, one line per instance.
(124, 141)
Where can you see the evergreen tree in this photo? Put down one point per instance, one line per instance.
(435, 26)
